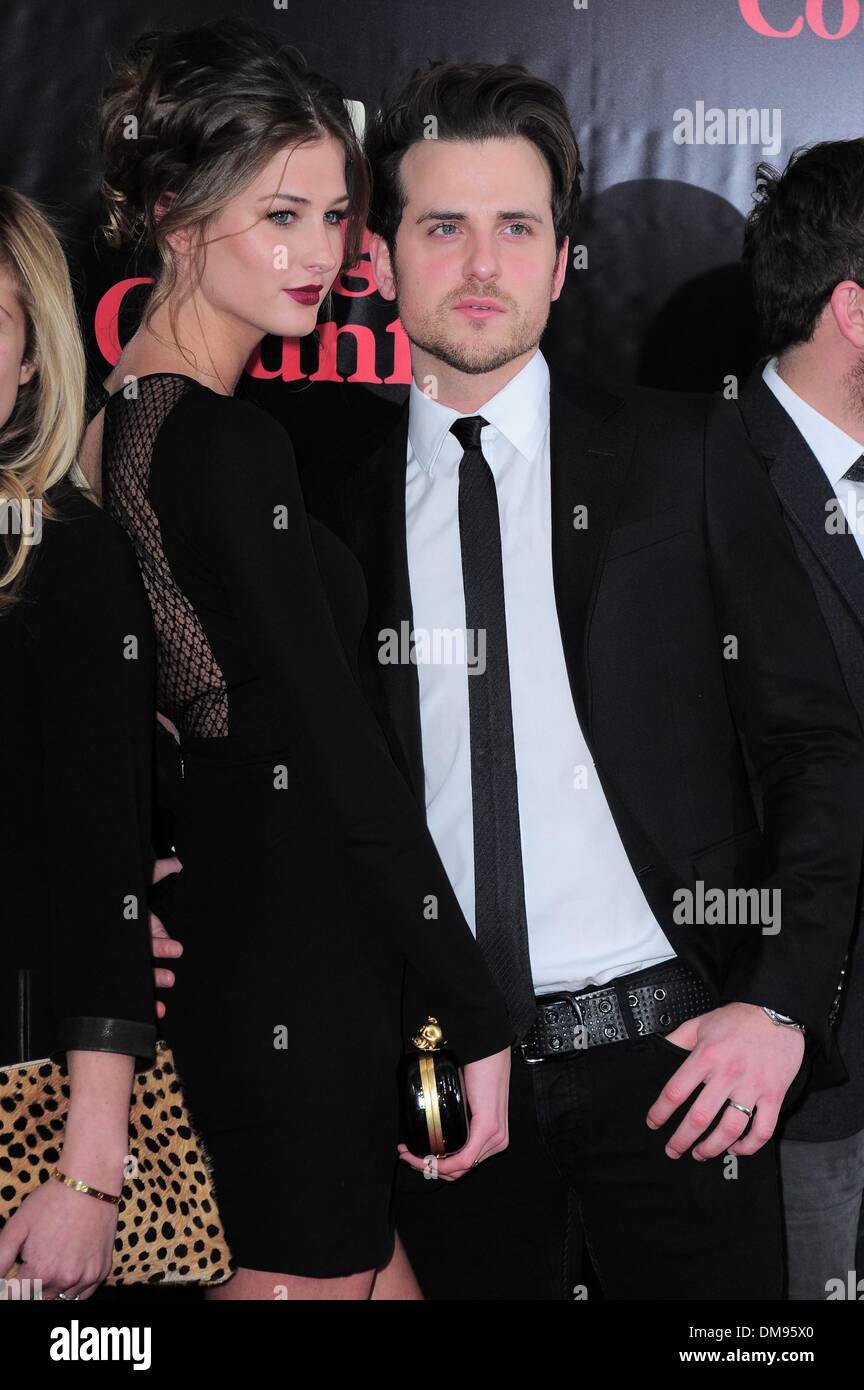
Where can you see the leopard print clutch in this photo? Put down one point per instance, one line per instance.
(168, 1225)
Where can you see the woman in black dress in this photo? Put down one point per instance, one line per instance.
(309, 877)
(76, 714)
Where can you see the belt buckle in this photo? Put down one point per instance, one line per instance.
(548, 998)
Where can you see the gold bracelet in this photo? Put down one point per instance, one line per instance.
(85, 1187)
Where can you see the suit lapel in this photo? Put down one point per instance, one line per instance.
(590, 458)
(803, 489)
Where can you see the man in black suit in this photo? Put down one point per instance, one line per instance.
(804, 409)
(642, 728)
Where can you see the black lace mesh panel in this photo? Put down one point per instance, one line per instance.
(190, 687)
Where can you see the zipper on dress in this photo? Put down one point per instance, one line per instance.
(23, 1015)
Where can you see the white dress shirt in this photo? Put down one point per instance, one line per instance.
(834, 449)
(588, 919)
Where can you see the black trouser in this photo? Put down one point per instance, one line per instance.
(584, 1169)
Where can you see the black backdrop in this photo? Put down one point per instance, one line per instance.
(661, 300)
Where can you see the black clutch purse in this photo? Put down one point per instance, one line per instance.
(434, 1111)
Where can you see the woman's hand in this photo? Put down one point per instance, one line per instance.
(487, 1089)
(62, 1237)
(162, 945)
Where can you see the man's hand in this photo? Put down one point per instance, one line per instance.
(163, 946)
(741, 1056)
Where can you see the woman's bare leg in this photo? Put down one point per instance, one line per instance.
(396, 1280)
(267, 1287)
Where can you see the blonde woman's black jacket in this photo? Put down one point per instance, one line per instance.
(76, 719)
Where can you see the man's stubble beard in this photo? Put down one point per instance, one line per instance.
(473, 360)
(854, 384)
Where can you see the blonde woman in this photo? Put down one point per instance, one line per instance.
(76, 713)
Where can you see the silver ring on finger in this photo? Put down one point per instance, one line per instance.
(745, 1110)
(70, 1296)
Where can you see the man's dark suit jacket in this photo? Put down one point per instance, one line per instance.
(685, 547)
(836, 569)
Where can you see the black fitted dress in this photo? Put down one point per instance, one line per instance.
(309, 877)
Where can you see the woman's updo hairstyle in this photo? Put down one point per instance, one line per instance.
(190, 118)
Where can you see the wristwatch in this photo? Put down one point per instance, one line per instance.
(783, 1019)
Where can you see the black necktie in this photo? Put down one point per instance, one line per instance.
(855, 474)
(502, 928)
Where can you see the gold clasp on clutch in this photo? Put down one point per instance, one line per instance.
(430, 1037)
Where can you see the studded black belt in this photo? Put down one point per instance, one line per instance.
(655, 1000)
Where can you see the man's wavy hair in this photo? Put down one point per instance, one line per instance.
(804, 235)
(471, 101)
